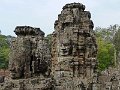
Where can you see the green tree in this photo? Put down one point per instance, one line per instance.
(105, 54)
(106, 48)
(4, 52)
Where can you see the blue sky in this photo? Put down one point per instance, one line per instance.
(43, 13)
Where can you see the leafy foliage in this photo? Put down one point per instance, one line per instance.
(105, 54)
(4, 52)
(106, 39)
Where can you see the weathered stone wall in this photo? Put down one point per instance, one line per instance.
(74, 48)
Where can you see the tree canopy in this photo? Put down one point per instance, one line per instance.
(107, 40)
(4, 51)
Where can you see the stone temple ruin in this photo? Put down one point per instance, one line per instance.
(71, 64)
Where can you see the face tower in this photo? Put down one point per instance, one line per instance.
(29, 56)
(74, 48)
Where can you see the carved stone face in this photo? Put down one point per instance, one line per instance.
(16, 71)
(65, 49)
(16, 61)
